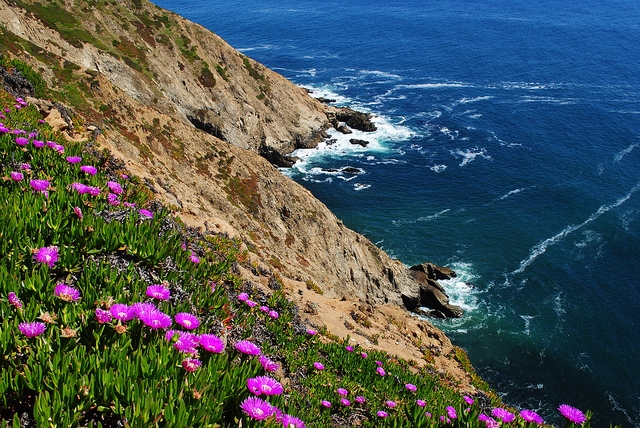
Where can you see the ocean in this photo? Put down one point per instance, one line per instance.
(508, 148)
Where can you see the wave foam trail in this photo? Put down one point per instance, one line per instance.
(433, 216)
(541, 247)
(618, 157)
(470, 155)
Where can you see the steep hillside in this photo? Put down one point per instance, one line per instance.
(190, 116)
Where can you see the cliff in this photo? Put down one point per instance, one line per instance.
(191, 116)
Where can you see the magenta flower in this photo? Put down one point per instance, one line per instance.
(264, 309)
(411, 387)
(89, 169)
(502, 414)
(47, 255)
(390, 404)
(146, 214)
(114, 187)
(318, 366)
(191, 364)
(421, 403)
(256, 408)
(268, 365)
(78, 212)
(25, 166)
(345, 402)
(80, 188)
(157, 291)
(185, 342)
(142, 308)
(326, 403)
(247, 347)
(572, 414)
(103, 316)
(188, 321)
(380, 371)
(93, 191)
(21, 141)
(112, 199)
(349, 348)
(129, 204)
(39, 185)
(360, 399)
(468, 400)
(211, 343)
(32, 329)
(66, 293)
(38, 143)
(250, 303)
(154, 319)
(364, 355)
(264, 385)
(274, 314)
(379, 363)
(194, 259)
(243, 297)
(16, 176)
(451, 412)
(382, 414)
(123, 312)
(311, 332)
(489, 422)
(289, 421)
(73, 159)
(343, 392)
(531, 416)
(14, 300)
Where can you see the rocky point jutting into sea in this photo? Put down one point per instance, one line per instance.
(203, 126)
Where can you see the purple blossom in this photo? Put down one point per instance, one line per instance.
(122, 312)
(39, 185)
(256, 408)
(21, 141)
(146, 214)
(140, 309)
(243, 297)
(114, 187)
(194, 258)
(311, 332)
(103, 316)
(188, 321)
(16, 176)
(25, 166)
(129, 204)
(58, 148)
(211, 343)
(264, 385)
(531, 416)
(468, 400)
(157, 291)
(73, 159)
(345, 402)
(382, 414)
(274, 314)
(191, 364)
(89, 169)
(380, 371)
(185, 342)
(93, 191)
(78, 212)
(421, 403)
(38, 143)
(268, 365)
(349, 348)
(112, 199)
(489, 422)
(47, 255)
(32, 329)
(250, 303)
(451, 412)
(289, 421)
(343, 392)
(364, 355)
(360, 399)
(572, 414)
(390, 404)
(264, 309)
(154, 319)
(502, 414)
(411, 387)
(326, 403)
(318, 366)
(14, 300)
(66, 293)
(247, 347)
(80, 188)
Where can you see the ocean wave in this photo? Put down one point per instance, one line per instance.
(469, 155)
(360, 186)
(622, 153)
(541, 247)
(433, 216)
(438, 168)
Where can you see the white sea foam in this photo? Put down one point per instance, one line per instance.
(469, 155)
(622, 153)
(527, 323)
(360, 186)
(474, 100)
(460, 289)
(541, 247)
(438, 168)
(434, 216)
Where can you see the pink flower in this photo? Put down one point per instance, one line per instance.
(247, 347)
(264, 385)
(257, 409)
(80, 188)
(268, 365)
(343, 392)
(572, 414)
(185, 342)
(421, 403)
(390, 404)
(250, 303)
(188, 321)
(145, 214)
(364, 355)
(159, 292)
(14, 300)
(380, 371)
(73, 159)
(311, 332)
(318, 366)
(191, 364)
(531, 416)
(382, 414)
(21, 141)
(93, 191)
(504, 415)
(78, 212)
(16, 176)
(155, 319)
(289, 421)
(264, 309)
(114, 187)
(468, 400)
(345, 402)
(360, 399)
(25, 166)
(47, 255)
(243, 297)
(102, 316)
(411, 387)
(451, 412)
(211, 343)
(349, 348)
(326, 403)
(122, 312)
(66, 293)
(112, 199)
(274, 314)
(38, 143)
(40, 185)
(32, 329)
(89, 169)
(194, 258)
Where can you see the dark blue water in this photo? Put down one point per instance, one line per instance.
(508, 148)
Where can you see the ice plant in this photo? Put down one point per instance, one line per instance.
(112, 199)
(32, 329)
(194, 259)
(186, 342)
(318, 366)
(390, 404)
(343, 392)
(468, 400)
(250, 303)
(364, 355)
(145, 214)
(311, 332)
(47, 255)
(114, 187)
(411, 387)
(16, 176)
(264, 309)
(572, 414)
(268, 365)
(349, 348)
(256, 408)
(326, 403)
(531, 416)
(158, 291)
(243, 297)
(25, 166)
(360, 399)
(345, 402)
(380, 371)
(89, 169)
(382, 414)
(191, 364)
(211, 343)
(421, 403)
(73, 159)
(451, 412)
(122, 312)
(289, 421)
(103, 316)
(78, 212)
(66, 293)
(247, 347)
(21, 141)
(504, 415)
(187, 320)
(41, 186)
(155, 319)
(264, 385)
(14, 300)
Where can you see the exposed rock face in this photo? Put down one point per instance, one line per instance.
(431, 294)
(354, 119)
(359, 142)
(15, 83)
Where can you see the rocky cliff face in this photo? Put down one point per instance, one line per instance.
(190, 115)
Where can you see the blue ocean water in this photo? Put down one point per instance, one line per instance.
(508, 148)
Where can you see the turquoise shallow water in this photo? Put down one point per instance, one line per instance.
(508, 148)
